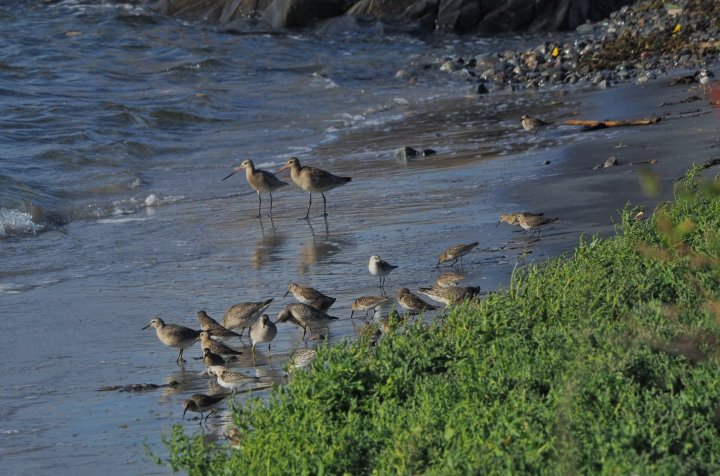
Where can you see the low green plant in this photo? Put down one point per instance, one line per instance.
(601, 361)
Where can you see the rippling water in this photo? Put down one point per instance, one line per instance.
(117, 126)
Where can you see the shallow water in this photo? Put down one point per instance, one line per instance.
(106, 105)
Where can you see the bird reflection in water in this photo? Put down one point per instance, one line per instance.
(267, 245)
(317, 249)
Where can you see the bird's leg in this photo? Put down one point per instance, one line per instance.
(351, 314)
(270, 212)
(304, 332)
(259, 204)
(253, 354)
(324, 203)
(307, 214)
(366, 314)
(180, 360)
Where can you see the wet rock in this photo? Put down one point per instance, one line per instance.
(481, 89)
(428, 152)
(405, 153)
(302, 13)
(611, 162)
(424, 13)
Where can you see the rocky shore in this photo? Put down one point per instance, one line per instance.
(636, 43)
(599, 43)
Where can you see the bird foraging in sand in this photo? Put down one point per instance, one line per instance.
(259, 180)
(532, 124)
(365, 303)
(230, 379)
(448, 278)
(303, 316)
(450, 295)
(312, 179)
(310, 296)
(216, 330)
(200, 403)
(216, 347)
(412, 303)
(455, 253)
(243, 315)
(514, 218)
(533, 222)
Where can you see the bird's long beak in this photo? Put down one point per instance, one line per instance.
(230, 174)
(146, 327)
(498, 223)
(282, 168)
(184, 413)
(286, 292)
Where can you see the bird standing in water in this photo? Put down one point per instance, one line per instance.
(312, 179)
(260, 181)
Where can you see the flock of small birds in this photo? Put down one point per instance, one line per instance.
(312, 309)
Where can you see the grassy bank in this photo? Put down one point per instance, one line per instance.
(605, 360)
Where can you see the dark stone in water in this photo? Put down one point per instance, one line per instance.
(406, 152)
(481, 89)
(138, 387)
(427, 152)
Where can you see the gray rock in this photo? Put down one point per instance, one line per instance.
(301, 13)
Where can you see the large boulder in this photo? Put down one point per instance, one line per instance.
(380, 8)
(302, 13)
(215, 11)
(458, 16)
(424, 13)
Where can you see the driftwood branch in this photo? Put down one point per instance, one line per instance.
(592, 125)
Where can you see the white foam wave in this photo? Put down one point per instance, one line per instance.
(16, 222)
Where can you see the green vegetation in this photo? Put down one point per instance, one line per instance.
(605, 361)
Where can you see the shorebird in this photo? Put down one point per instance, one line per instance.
(380, 268)
(215, 346)
(260, 181)
(532, 124)
(705, 78)
(450, 295)
(200, 403)
(412, 303)
(264, 330)
(210, 358)
(448, 278)
(365, 303)
(512, 218)
(532, 222)
(312, 179)
(311, 297)
(216, 329)
(303, 316)
(302, 358)
(172, 335)
(229, 379)
(455, 253)
(243, 315)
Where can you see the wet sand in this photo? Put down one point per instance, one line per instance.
(84, 333)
